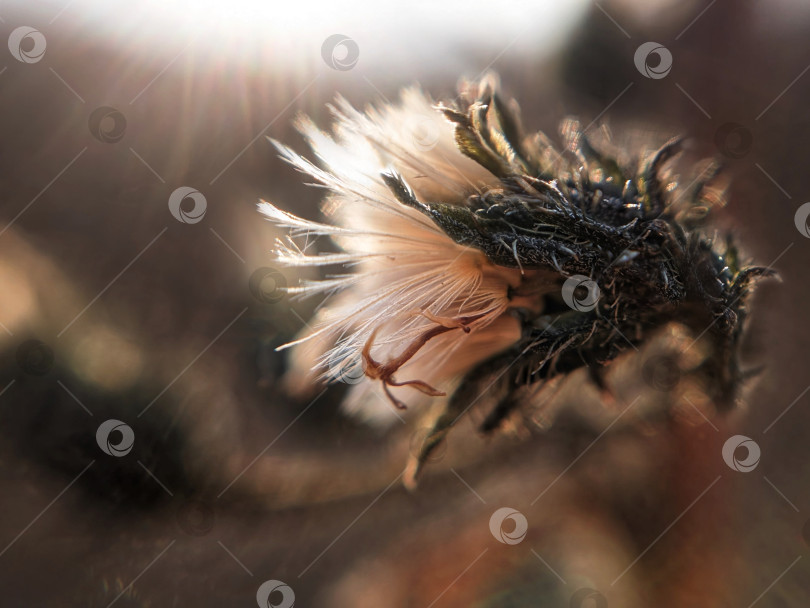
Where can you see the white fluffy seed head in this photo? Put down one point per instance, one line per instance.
(400, 274)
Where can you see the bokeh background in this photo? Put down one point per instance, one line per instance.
(111, 308)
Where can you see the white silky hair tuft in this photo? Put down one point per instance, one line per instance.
(402, 274)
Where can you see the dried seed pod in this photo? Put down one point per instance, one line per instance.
(489, 261)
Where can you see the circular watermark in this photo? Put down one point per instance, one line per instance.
(661, 372)
(806, 533)
(35, 358)
(588, 598)
(418, 440)
(587, 288)
(660, 68)
(340, 52)
(196, 213)
(267, 285)
(195, 517)
(349, 368)
(27, 44)
(733, 140)
(107, 125)
(800, 219)
(115, 438)
(275, 594)
(425, 131)
(743, 465)
(513, 537)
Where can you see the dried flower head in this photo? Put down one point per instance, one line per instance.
(480, 259)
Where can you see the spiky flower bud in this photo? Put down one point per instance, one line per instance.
(481, 259)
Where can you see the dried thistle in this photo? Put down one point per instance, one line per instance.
(470, 244)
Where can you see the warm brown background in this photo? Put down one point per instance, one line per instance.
(324, 470)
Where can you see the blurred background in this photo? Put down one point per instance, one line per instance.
(119, 301)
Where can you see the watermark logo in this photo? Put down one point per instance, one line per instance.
(340, 52)
(418, 440)
(588, 598)
(751, 460)
(588, 289)
(425, 131)
(107, 125)
(281, 594)
(349, 368)
(115, 438)
(496, 526)
(27, 44)
(267, 285)
(35, 358)
(196, 213)
(806, 532)
(195, 517)
(800, 219)
(733, 140)
(660, 68)
(661, 372)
